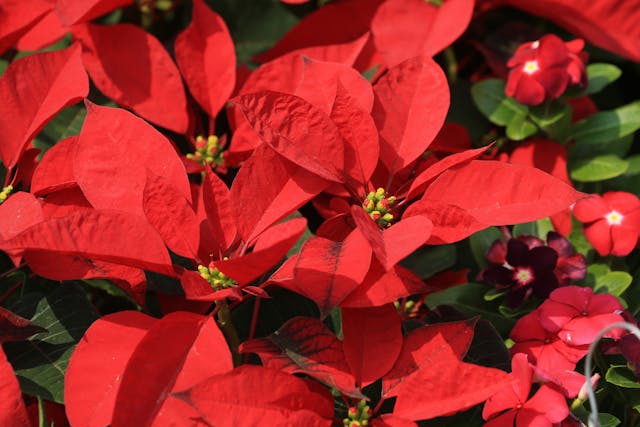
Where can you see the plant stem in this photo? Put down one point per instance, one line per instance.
(254, 323)
(229, 331)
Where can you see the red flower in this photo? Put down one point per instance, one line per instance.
(546, 407)
(611, 221)
(543, 69)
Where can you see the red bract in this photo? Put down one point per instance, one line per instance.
(132, 67)
(542, 70)
(74, 11)
(12, 410)
(33, 90)
(611, 221)
(546, 407)
(16, 17)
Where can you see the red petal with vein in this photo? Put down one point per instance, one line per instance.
(270, 248)
(403, 29)
(306, 345)
(420, 182)
(346, 53)
(358, 130)
(388, 420)
(267, 188)
(382, 287)
(395, 243)
(450, 223)
(171, 215)
(297, 130)
(217, 205)
(610, 24)
(45, 32)
(132, 67)
(74, 11)
(411, 102)
(124, 239)
(114, 151)
(55, 171)
(437, 389)
(420, 350)
(16, 328)
(19, 212)
(249, 395)
(65, 202)
(17, 17)
(55, 266)
(207, 59)
(496, 193)
(348, 20)
(372, 341)
(198, 350)
(328, 271)
(12, 410)
(49, 82)
(104, 351)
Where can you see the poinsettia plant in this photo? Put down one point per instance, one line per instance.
(318, 213)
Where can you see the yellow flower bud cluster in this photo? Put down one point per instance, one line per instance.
(358, 415)
(4, 194)
(207, 151)
(378, 205)
(217, 279)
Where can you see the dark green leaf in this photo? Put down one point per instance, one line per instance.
(487, 348)
(599, 168)
(554, 118)
(601, 75)
(489, 97)
(622, 376)
(608, 125)
(40, 362)
(431, 260)
(480, 243)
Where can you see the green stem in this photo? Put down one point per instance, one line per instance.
(226, 325)
(452, 64)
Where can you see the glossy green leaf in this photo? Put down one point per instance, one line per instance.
(599, 168)
(622, 376)
(601, 75)
(614, 283)
(520, 127)
(554, 118)
(489, 97)
(431, 260)
(480, 243)
(40, 362)
(608, 125)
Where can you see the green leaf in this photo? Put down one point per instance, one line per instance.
(601, 75)
(66, 123)
(520, 128)
(480, 243)
(493, 294)
(554, 118)
(487, 348)
(608, 420)
(469, 299)
(489, 97)
(617, 146)
(527, 228)
(580, 243)
(296, 248)
(3, 65)
(614, 283)
(431, 260)
(622, 376)
(40, 362)
(608, 125)
(599, 168)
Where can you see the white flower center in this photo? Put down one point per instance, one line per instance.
(524, 276)
(614, 218)
(531, 67)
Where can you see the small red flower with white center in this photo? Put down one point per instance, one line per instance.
(543, 69)
(611, 221)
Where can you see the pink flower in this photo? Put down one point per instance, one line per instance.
(578, 315)
(545, 408)
(611, 221)
(543, 69)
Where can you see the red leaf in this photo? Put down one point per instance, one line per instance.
(544, 154)
(49, 81)
(114, 152)
(389, 420)
(124, 239)
(198, 350)
(297, 130)
(74, 11)
(395, 243)
(372, 341)
(348, 20)
(55, 171)
(249, 395)
(16, 17)
(131, 67)
(45, 32)
(438, 390)
(64, 202)
(450, 223)
(419, 183)
(327, 271)
(403, 29)
(19, 212)
(411, 102)
(495, 193)
(12, 410)
(305, 345)
(103, 352)
(207, 59)
(267, 189)
(419, 351)
(16, 328)
(217, 205)
(609, 24)
(172, 216)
